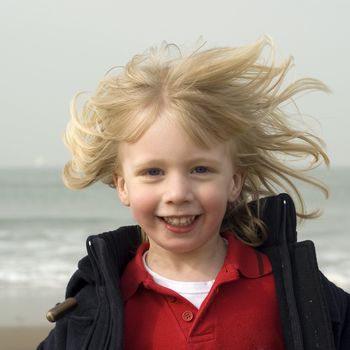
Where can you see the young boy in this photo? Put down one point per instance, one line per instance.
(192, 145)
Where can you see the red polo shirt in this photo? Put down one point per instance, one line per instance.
(240, 311)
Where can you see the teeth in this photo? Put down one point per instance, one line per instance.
(179, 221)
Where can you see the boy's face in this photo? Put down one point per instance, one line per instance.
(177, 190)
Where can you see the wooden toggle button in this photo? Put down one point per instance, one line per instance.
(61, 309)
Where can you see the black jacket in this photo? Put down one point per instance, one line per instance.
(315, 314)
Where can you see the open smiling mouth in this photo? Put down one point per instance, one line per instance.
(180, 221)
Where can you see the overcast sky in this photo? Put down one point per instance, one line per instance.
(50, 49)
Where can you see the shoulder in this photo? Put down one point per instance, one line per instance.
(338, 302)
(312, 308)
(91, 286)
(106, 252)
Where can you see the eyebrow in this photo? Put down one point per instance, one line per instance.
(162, 162)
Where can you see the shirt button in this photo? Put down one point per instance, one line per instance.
(187, 316)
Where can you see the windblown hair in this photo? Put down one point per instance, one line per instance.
(235, 95)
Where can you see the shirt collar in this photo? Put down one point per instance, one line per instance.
(241, 261)
(134, 273)
(249, 262)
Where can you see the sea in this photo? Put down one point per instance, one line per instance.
(44, 227)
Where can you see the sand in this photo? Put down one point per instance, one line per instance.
(22, 338)
(23, 324)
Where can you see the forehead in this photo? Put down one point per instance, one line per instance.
(200, 127)
(167, 139)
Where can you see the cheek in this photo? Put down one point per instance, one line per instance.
(142, 203)
(215, 200)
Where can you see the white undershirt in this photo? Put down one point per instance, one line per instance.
(194, 292)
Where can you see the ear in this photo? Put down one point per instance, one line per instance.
(122, 190)
(236, 188)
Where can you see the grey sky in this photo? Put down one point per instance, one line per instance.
(51, 49)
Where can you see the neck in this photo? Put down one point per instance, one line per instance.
(203, 264)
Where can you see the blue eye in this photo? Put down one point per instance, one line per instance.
(153, 172)
(200, 169)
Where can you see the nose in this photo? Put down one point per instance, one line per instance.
(178, 190)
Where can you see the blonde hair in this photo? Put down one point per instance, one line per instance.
(218, 94)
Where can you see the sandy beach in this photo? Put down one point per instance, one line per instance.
(22, 338)
(23, 324)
